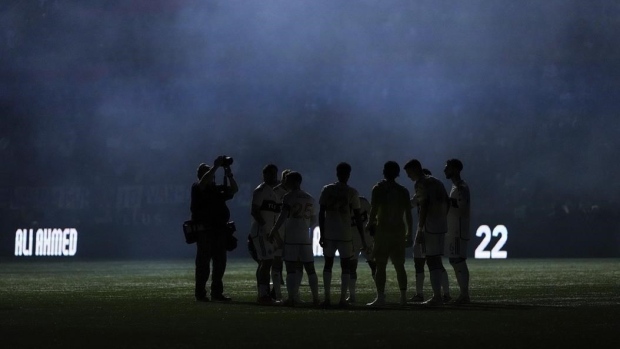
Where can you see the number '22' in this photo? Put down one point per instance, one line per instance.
(496, 252)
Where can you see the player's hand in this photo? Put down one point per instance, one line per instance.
(321, 242)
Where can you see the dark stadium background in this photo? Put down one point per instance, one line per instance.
(107, 108)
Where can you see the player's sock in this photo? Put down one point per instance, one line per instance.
(436, 277)
(344, 286)
(276, 277)
(299, 273)
(352, 287)
(419, 284)
(263, 290)
(462, 277)
(290, 284)
(445, 284)
(327, 283)
(313, 280)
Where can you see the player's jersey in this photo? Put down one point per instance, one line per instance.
(301, 217)
(459, 212)
(391, 201)
(339, 201)
(270, 207)
(430, 191)
(364, 212)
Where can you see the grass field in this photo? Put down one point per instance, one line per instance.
(516, 303)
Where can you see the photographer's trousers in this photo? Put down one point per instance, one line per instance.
(211, 246)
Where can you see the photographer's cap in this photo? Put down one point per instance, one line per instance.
(202, 169)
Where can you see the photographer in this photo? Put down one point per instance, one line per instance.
(208, 206)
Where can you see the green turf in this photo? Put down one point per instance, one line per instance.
(516, 303)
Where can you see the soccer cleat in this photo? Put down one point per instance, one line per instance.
(417, 298)
(378, 302)
(202, 299)
(220, 298)
(446, 298)
(403, 300)
(434, 302)
(316, 302)
(462, 300)
(351, 300)
(343, 304)
(326, 303)
(289, 302)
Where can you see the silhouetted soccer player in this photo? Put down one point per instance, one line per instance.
(338, 202)
(297, 217)
(458, 227)
(432, 224)
(208, 206)
(419, 260)
(276, 269)
(265, 210)
(390, 218)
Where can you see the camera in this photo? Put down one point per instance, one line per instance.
(226, 161)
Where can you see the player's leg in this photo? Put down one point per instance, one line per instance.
(353, 279)
(445, 286)
(276, 276)
(300, 275)
(307, 260)
(397, 256)
(380, 255)
(291, 270)
(434, 252)
(346, 253)
(418, 262)
(329, 252)
(462, 278)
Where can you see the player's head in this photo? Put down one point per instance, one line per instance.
(293, 180)
(427, 172)
(391, 170)
(343, 171)
(202, 170)
(413, 168)
(453, 168)
(270, 174)
(283, 177)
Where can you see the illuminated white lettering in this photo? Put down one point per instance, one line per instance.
(18, 243)
(56, 243)
(496, 252)
(39, 243)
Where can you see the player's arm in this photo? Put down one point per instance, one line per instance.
(372, 215)
(255, 212)
(360, 227)
(321, 225)
(408, 221)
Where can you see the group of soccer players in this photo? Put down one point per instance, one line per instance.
(380, 230)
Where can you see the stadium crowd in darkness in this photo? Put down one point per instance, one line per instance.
(535, 129)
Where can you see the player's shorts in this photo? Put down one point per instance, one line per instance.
(456, 247)
(417, 251)
(264, 248)
(345, 248)
(298, 253)
(433, 244)
(389, 249)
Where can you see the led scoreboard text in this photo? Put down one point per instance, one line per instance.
(46, 242)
